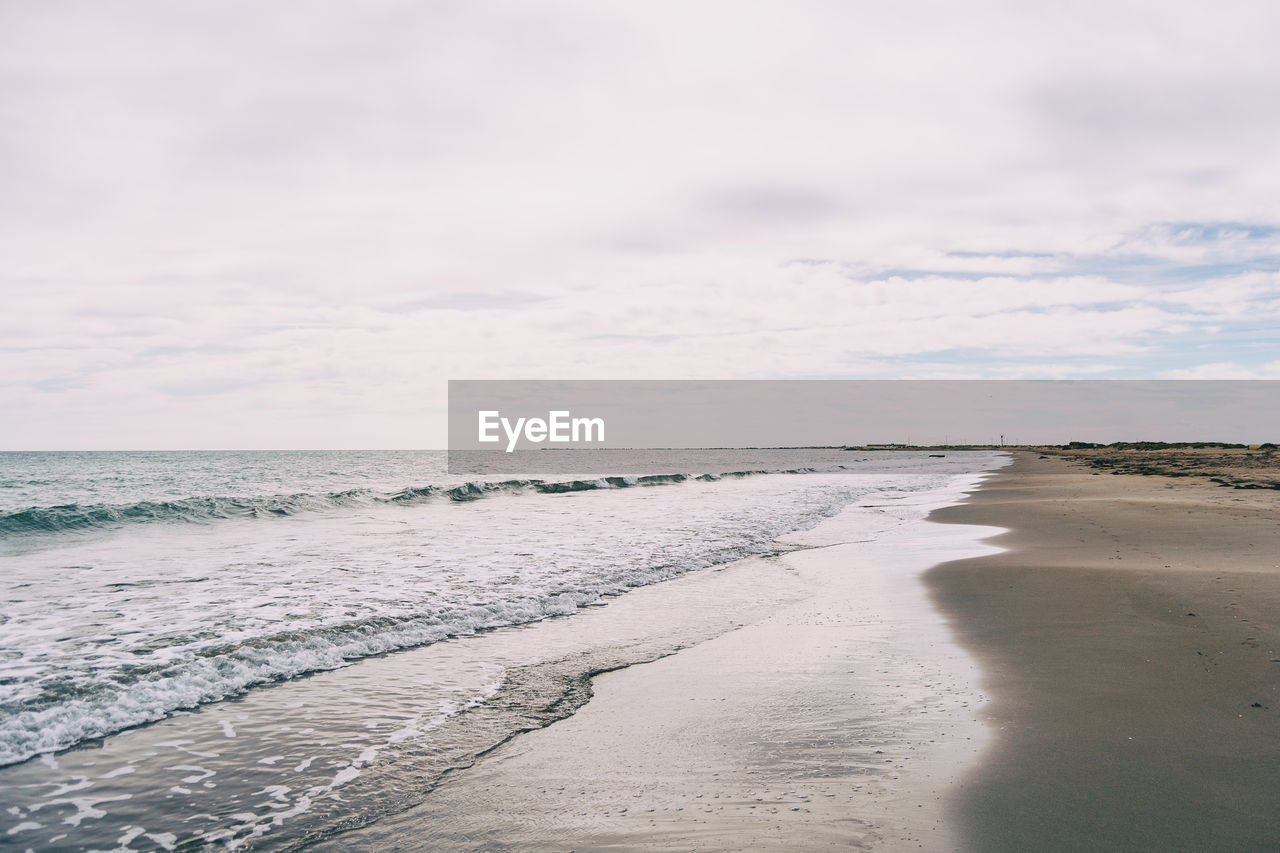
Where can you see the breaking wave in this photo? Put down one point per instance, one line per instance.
(185, 670)
(205, 509)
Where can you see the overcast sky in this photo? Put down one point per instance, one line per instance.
(286, 224)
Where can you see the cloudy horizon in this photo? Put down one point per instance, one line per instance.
(236, 225)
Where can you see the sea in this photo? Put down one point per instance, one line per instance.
(234, 650)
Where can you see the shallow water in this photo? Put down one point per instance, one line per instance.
(114, 623)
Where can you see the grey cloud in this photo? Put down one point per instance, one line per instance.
(1012, 253)
(467, 301)
(653, 339)
(1111, 112)
(201, 349)
(202, 387)
(58, 384)
(770, 205)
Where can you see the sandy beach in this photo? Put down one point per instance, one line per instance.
(1129, 640)
(837, 721)
(584, 426)
(796, 631)
(1047, 656)
(1124, 697)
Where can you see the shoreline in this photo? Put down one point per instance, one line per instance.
(843, 719)
(1128, 638)
(1041, 656)
(308, 760)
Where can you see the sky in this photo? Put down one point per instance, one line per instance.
(271, 225)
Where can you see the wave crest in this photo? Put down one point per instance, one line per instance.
(209, 508)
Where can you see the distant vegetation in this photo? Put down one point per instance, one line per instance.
(1074, 445)
(1240, 466)
(1163, 445)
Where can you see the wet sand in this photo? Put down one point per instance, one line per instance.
(1129, 641)
(842, 720)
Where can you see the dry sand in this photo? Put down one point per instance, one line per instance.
(1129, 641)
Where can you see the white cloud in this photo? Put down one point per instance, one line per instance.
(1225, 370)
(306, 216)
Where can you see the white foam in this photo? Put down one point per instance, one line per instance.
(119, 771)
(305, 595)
(167, 840)
(344, 776)
(86, 807)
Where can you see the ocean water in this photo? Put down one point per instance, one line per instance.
(224, 650)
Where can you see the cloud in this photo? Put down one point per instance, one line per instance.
(467, 301)
(307, 216)
(202, 387)
(769, 206)
(1225, 370)
(1111, 113)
